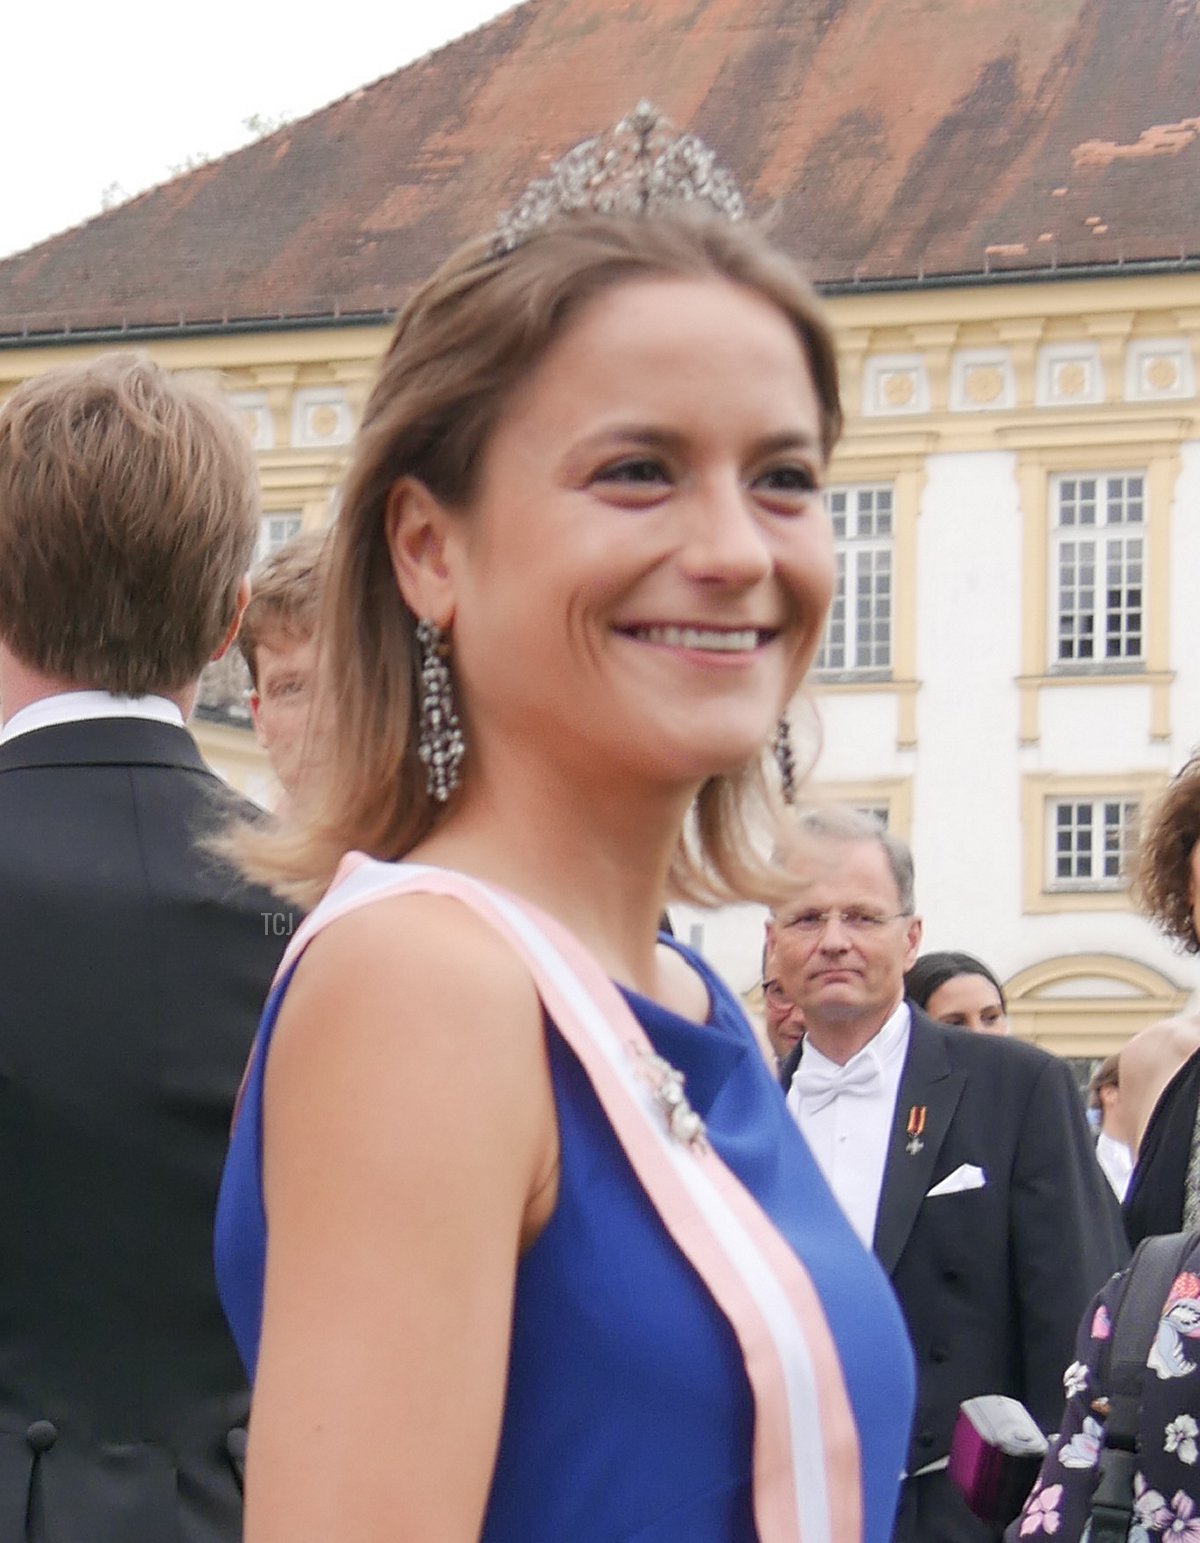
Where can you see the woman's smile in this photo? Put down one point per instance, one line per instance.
(657, 486)
(697, 638)
(704, 647)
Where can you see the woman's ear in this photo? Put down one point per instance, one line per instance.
(418, 532)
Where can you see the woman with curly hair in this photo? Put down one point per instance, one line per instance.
(1159, 1078)
(1159, 1068)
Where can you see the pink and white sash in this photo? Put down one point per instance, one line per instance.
(807, 1482)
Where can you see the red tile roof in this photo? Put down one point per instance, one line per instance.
(896, 140)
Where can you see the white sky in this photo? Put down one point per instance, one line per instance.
(119, 92)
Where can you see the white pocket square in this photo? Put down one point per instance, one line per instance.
(965, 1176)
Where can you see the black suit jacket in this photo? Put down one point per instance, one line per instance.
(133, 967)
(993, 1280)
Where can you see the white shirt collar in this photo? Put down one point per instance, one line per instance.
(891, 1041)
(79, 706)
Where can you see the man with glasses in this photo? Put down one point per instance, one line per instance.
(785, 1026)
(962, 1159)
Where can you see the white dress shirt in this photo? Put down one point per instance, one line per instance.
(78, 706)
(1117, 1162)
(846, 1114)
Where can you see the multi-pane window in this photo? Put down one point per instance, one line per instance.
(274, 530)
(1089, 841)
(858, 635)
(1099, 549)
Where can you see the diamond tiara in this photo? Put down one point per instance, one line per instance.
(639, 165)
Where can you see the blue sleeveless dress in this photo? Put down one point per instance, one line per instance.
(628, 1416)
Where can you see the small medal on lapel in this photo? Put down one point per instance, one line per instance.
(914, 1128)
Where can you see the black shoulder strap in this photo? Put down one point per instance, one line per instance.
(1136, 1315)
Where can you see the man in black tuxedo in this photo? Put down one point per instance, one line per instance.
(962, 1159)
(133, 962)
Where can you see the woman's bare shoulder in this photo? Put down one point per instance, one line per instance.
(1165, 1045)
(1174, 1032)
(1149, 1061)
(413, 999)
(404, 948)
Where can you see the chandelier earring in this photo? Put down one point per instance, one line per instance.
(785, 758)
(439, 740)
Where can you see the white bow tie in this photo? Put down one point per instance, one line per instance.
(817, 1084)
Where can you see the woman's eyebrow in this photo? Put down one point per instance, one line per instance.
(654, 438)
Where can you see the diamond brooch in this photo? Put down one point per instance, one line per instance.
(666, 1083)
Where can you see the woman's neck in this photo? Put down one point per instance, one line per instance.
(595, 859)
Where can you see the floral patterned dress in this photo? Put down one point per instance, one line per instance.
(1167, 1478)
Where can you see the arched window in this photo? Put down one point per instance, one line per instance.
(1086, 1006)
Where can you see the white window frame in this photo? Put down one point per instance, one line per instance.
(1101, 841)
(276, 528)
(866, 583)
(1098, 553)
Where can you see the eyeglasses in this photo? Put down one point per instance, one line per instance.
(853, 918)
(775, 994)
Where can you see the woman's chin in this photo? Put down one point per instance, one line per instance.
(727, 749)
(698, 770)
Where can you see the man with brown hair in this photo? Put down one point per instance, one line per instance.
(278, 642)
(134, 965)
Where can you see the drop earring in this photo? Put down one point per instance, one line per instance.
(785, 759)
(439, 741)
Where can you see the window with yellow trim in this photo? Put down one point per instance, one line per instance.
(1089, 840)
(1098, 560)
(858, 635)
(888, 799)
(1078, 832)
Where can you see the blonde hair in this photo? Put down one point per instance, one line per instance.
(463, 343)
(128, 515)
(285, 596)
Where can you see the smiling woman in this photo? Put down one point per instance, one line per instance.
(680, 588)
(535, 1216)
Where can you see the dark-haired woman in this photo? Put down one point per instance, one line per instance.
(958, 989)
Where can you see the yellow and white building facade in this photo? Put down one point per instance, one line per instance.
(1012, 669)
